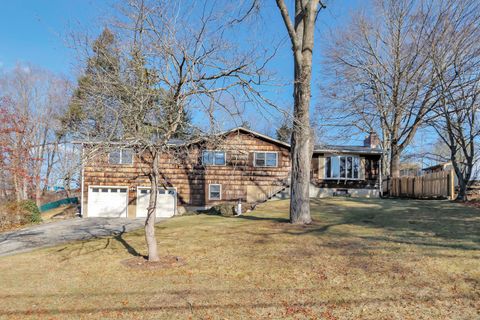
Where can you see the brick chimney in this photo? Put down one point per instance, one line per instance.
(371, 141)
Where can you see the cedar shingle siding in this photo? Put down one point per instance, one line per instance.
(239, 178)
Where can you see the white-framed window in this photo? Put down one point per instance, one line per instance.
(213, 158)
(342, 167)
(215, 192)
(169, 190)
(108, 189)
(120, 156)
(265, 159)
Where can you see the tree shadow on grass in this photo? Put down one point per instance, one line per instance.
(258, 218)
(435, 223)
(131, 250)
(86, 246)
(420, 222)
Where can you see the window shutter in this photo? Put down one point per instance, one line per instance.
(361, 175)
(321, 167)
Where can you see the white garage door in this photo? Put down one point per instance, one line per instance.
(109, 202)
(166, 202)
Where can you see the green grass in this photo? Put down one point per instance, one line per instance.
(360, 259)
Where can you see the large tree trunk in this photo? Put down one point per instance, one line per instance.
(395, 161)
(152, 206)
(462, 191)
(301, 32)
(462, 177)
(301, 145)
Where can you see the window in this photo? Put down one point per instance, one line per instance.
(213, 158)
(121, 156)
(215, 191)
(265, 159)
(342, 167)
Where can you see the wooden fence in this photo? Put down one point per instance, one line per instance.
(433, 185)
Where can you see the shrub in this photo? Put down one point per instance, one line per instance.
(31, 207)
(15, 213)
(224, 209)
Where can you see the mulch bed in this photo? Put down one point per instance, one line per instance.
(141, 263)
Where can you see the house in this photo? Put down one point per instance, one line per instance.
(410, 169)
(245, 166)
(444, 166)
(448, 166)
(347, 170)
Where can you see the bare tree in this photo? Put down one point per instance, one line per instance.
(37, 97)
(301, 32)
(156, 62)
(384, 79)
(455, 56)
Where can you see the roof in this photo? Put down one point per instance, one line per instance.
(257, 134)
(317, 148)
(346, 149)
(437, 166)
(178, 142)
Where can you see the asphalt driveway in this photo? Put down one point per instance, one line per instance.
(54, 233)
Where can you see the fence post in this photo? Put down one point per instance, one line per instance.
(452, 184)
(412, 183)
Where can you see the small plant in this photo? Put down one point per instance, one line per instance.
(32, 208)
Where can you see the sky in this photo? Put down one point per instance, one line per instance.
(36, 32)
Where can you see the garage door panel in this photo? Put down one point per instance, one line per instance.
(107, 202)
(166, 201)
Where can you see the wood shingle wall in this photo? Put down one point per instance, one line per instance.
(239, 178)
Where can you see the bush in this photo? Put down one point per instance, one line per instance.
(31, 207)
(15, 213)
(224, 209)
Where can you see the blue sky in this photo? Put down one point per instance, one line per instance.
(35, 31)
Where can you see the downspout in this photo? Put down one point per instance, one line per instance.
(83, 181)
(380, 183)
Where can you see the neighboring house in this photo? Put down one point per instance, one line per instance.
(444, 166)
(447, 166)
(410, 169)
(246, 166)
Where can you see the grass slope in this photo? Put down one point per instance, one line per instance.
(360, 259)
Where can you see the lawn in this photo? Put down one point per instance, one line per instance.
(360, 259)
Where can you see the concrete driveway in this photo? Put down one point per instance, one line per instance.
(54, 233)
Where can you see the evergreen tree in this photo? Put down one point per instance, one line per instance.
(284, 132)
(91, 99)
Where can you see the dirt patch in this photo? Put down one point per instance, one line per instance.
(61, 213)
(141, 263)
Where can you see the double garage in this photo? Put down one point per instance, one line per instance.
(112, 202)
